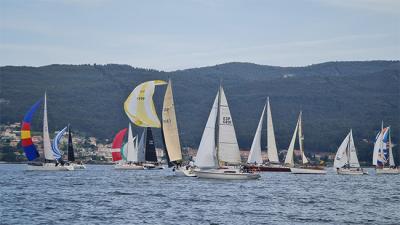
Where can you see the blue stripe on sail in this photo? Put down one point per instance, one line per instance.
(28, 116)
(31, 152)
(386, 136)
(56, 151)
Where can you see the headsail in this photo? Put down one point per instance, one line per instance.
(378, 158)
(341, 154)
(141, 148)
(26, 140)
(206, 155)
(391, 159)
(71, 156)
(271, 143)
(228, 148)
(289, 155)
(255, 150)
(139, 105)
(117, 144)
(131, 150)
(170, 127)
(48, 153)
(56, 150)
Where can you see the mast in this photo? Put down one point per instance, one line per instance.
(71, 156)
(348, 150)
(218, 123)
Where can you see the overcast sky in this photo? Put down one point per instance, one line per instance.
(178, 34)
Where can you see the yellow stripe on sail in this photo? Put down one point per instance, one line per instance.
(25, 134)
(139, 105)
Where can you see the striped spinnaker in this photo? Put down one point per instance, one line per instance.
(56, 151)
(139, 105)
(26, 139)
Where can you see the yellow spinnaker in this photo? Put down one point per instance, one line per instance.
(139, 105)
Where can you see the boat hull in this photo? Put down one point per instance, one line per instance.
(49, 167)
(351, 171)
(78, 166)
(183, 172)
(226, 175)
(392, 171)
(307, 171)
(128, 167)
(266, 168)
(151, 166)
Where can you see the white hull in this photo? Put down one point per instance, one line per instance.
(183, 172)
(49, 167)
(128, 167)
(78, 166)
(387, 171)
(226, 174)
(351, 171)
(307, 171)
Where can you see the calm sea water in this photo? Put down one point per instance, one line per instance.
(101, 195)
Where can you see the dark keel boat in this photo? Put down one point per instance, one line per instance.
(267, 168)
(254, 161)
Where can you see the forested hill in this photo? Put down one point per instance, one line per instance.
(334, 97)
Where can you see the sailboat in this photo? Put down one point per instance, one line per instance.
(49, 162)
(220, 159)
(305, 168)
(140, 109)
(170, 136)
(254, 161)
(383, 159)
(129, 153)
(71, 155)
(346, 160)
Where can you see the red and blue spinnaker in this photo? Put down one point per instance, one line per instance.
(26, 139)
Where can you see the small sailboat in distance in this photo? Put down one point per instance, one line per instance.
(71, 154)
(170, 136)
(383, 159)
(129, 152)
(346, 160)
(305, 168)
(254, 161)
(49, 163)
(220, 159)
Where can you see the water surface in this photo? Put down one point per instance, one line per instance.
(102, 195)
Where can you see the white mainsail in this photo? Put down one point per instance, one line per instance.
(353, 161)
(48, 153)
(170, 127)
(139, 105)
(391, 159)
(289, 155)
(131, 150)
(228, 148)
(341, 154)
(271, 143)
(301, 140)
(255, 150)
(206, 154)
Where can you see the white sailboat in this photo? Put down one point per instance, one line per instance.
(50, 162)
(131, 152)
(346, 160)
(220, 159)
(254, 161)
(383, 153)
(305, 168)
(171, 136)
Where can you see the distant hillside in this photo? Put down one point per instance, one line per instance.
(334, 97)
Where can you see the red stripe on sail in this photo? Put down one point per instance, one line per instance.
(26, 142)
(116, 156)
(118, 139)
(26, 126)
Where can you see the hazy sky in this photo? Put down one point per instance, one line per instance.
(178, 34)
